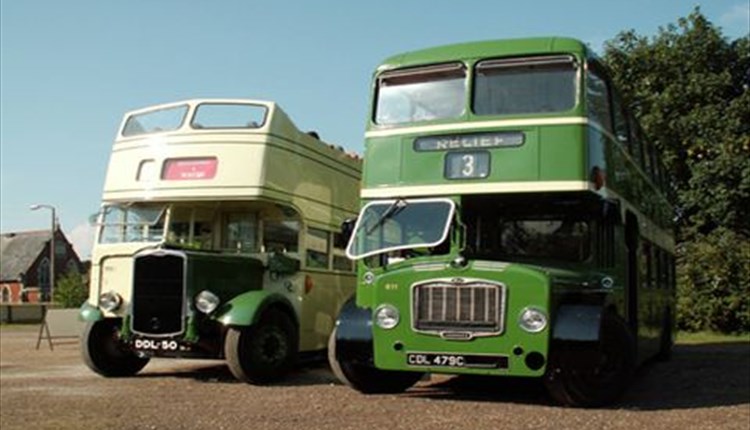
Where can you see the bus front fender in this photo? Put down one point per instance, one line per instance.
(577, 323)
(245, 309)
(354, 334)
(89, 313)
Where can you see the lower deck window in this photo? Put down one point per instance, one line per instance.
(528, 228)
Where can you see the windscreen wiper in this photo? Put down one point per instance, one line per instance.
(395, 207)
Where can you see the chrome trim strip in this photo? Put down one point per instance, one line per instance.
(476, 126)
(474, 188)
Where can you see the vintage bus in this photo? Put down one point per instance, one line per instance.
(218, 237)
(515, 221)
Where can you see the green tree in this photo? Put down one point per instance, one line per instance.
(71, 290)
(690, 88)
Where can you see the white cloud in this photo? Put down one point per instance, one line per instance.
(82, 239)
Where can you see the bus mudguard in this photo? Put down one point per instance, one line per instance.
(245, 309)
(89, 313)
(577, 323)
(354, 334)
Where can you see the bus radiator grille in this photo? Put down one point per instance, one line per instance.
(158, 295)
(475, 307)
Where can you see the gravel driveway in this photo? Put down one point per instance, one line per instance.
(704, 386)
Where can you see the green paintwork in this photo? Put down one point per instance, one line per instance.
(525, 287)
(225, 275)
(548, 154)
(568, 151)
(473, 51)
(243, 309)
(90, 313)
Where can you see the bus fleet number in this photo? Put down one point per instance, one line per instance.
(463, 165)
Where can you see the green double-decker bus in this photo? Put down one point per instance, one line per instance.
(515, 221)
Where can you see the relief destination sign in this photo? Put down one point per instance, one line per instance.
(469, 141)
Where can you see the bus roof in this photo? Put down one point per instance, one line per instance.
(230, 149)
(484, 49)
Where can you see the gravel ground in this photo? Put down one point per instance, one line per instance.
(703, 386)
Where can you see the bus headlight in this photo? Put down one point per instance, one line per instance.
(532, 320)
(206, 301)
(386, 317)
(110, 301)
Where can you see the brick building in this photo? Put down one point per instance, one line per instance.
(25, 264)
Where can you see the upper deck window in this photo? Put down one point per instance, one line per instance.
(155, 121)
(421, 94)
(229, 115)
(525, 85)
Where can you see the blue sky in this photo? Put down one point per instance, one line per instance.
(70, 69)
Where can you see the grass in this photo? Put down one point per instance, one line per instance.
(687, 338)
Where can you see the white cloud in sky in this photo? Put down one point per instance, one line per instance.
(82, 239)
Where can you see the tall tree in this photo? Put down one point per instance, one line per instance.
(690, 88)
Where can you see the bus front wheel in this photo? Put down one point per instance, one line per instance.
(103, 352)
(367, 379)
(264, 352)
(571, 384)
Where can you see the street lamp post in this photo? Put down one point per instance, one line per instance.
(52, 248)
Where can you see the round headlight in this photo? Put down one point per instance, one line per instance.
(110, 301)
(206, 301)
(532, 320)
(386, 317)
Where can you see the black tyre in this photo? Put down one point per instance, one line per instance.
(264, 352)
(103, 352)
(601, 383)
(367, 379)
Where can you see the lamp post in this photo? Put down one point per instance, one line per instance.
(51, 246)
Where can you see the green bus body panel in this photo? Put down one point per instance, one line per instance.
(224, 275)
(484, 49)
(90, 313)
(245, 309)
(552, 153)
(524, 287)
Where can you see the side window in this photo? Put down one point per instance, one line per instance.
(340, 261)
(640, 151)
(281, 236)
(648, 157)
(664, 274)
(42, 274)
(317, 249)
(191, 227)
(241, 232)
(606, 243)
(645, 265)
(597, 100)
(71, 267)
(621, 126)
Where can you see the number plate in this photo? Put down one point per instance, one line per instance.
(457, 360)
(159, 345)
(467, 165)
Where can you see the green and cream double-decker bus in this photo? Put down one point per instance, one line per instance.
(218, 237)
(514, 222)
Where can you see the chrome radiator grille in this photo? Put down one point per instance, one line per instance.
(158, 307)
(476, 307)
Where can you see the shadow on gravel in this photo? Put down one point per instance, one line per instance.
(303, 375)
(697, 376)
